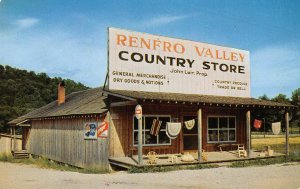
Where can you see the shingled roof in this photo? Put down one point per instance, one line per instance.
(192, 98)
(91, 101)
(85, 102)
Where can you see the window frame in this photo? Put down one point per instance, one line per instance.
(145, 130)
(222, 129)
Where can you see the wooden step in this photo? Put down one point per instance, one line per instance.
(21, 157)
(119, 164)
(22, 154)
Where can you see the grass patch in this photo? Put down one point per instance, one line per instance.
(93, 170)
(154, 169)
(258, 162)
(6, 157)
(268, 161)
(278, 144)
(49, 164)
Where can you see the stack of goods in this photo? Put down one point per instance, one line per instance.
(187, 158)
(270, 152)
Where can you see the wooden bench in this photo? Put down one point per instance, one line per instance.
(230, 146)
(152, 157)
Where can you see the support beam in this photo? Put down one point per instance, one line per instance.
(287, 149)
(124, 103)
(248, 133)
(14, 139)
(140, 142)
(199, 135)
(11, 139)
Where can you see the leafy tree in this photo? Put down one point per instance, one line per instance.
(281, 98)
(263, 97)
(22, 91)
(296, 97)
(296, 102)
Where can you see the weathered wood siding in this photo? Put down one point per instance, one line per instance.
(119, 131)
(6, 141)
(63, 140)
(121, 138)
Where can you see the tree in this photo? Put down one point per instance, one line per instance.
(296, 97)
(263, 97)
(296, 102)
(22, 91)
(281, 98)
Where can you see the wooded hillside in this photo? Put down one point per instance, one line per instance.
(21, 91)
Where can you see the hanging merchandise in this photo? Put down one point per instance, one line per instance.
(187, 158)
(257, 124)
(173, 129)
(276, 127)
(155, 127)
(189, 124)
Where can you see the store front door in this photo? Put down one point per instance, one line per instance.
(190, 133)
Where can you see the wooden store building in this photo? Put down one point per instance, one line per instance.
(161, 95)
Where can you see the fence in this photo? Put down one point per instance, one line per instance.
(5, 143)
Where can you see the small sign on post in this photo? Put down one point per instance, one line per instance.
(139, 115)
(138, 111)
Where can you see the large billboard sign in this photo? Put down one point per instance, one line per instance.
(145, 62)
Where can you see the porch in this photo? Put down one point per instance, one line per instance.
(211, 158)
(217, 120)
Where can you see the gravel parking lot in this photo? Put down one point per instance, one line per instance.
(14, 176)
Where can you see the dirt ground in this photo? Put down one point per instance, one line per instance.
(14, 176)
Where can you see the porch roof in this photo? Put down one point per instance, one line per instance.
(197, 99)
(85, 102)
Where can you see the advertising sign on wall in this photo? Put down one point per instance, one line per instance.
(90, 130)
(102, 131)
(145, 62)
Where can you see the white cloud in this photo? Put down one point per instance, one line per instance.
(27, 22)
(275, 69)
(163, 20)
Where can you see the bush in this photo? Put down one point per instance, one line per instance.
(6, 157)
(153, 169)
(260, 162)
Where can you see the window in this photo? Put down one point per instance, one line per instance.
(148, 139)
(221, 129)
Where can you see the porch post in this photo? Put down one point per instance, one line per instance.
(14, 139)
(287, 150)
(200, 135)
(140, 141)
(248, 133)
(11, 138)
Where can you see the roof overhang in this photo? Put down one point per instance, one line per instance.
(201, 100)
(24, 123)
(112, 93)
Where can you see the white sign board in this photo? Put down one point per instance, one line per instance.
(145, 62)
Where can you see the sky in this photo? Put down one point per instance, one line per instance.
(68, 38)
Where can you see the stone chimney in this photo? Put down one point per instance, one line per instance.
(61, 93)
